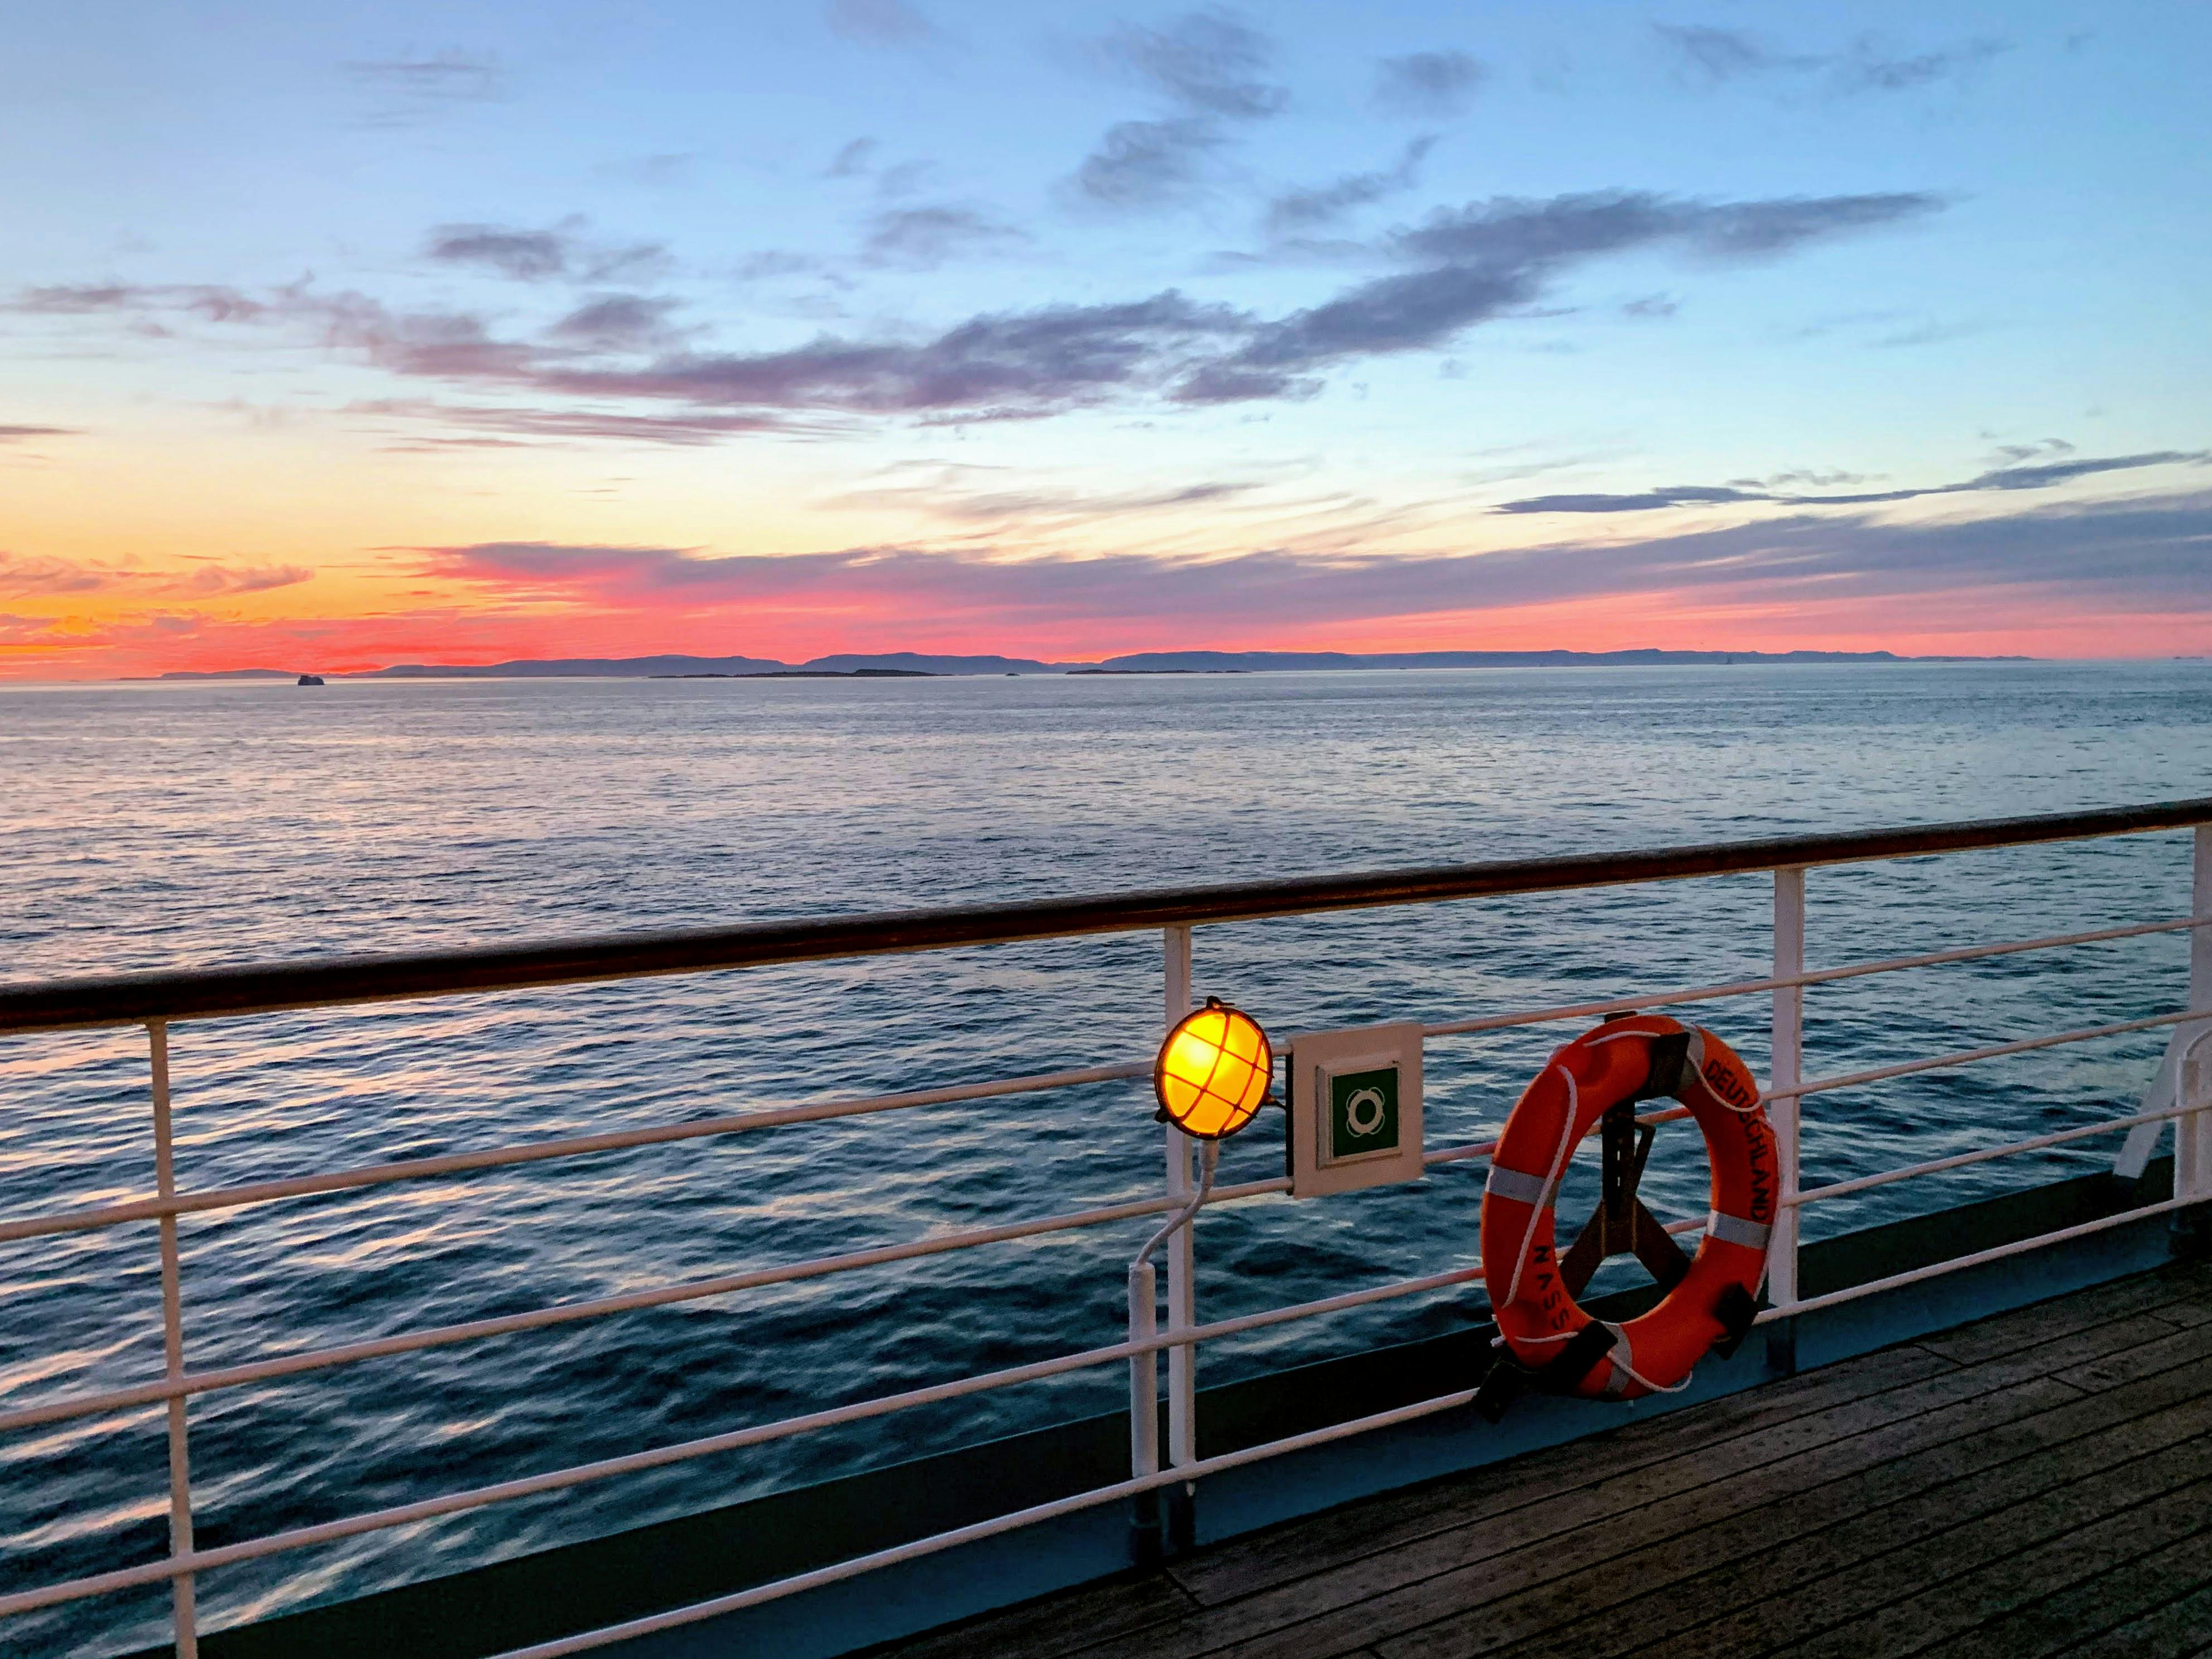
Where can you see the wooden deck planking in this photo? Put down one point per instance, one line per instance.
(2034, 1483)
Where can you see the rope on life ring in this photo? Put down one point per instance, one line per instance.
(1541, 1324)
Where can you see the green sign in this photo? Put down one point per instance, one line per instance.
(1363, 1112)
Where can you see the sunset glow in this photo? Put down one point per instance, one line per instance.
(455, 335)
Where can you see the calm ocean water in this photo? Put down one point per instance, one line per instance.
(159, 825)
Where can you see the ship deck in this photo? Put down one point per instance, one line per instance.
(2037, 1482)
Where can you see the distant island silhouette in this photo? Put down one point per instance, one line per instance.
(907, 664)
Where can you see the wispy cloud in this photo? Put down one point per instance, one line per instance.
(2139, 553)
(536, 256)
(10, 435)
(38, 576)
(1209, 66)
(1461, 267)
(1317, 205)
(625, 322)
(881, 22)
(1712, 56)
(923, 237)
(407, 90)
(2041, 475)
(1429, 85)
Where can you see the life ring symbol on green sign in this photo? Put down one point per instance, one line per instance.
(1363, 1112)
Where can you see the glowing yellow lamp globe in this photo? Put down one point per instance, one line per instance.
(1213, 1070)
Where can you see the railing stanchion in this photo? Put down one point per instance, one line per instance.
(1787, 1069)
(2190, 1048)
(1181, 1254)
(172, 1348)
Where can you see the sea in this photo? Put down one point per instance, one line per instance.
(171, 825)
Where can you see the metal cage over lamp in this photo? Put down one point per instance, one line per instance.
(1214, 1071)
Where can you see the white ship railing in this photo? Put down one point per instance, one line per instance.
(2182, 1093)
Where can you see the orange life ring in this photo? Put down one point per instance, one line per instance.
(1535, 1312)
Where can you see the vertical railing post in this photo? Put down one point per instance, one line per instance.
(2191, 1048)
(172, 1348)
(1144, 1412)
(1181, 1254)
(1786, 1071)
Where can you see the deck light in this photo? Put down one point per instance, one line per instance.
(1213, 1070)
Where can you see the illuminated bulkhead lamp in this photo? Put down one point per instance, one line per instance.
(1213, 1070)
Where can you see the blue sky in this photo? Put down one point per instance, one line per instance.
(489, 328)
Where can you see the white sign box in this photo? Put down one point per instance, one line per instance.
(1355, 1109)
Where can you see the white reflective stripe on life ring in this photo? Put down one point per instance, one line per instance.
(1734, 1229)
(1518, 1185)
(1618, 1361)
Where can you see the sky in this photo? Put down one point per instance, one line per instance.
(340, 336)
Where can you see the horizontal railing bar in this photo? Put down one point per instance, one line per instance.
(841, 1571)
(635, 1462)
(1862, 1183)
(421, 1169)
(1960, 1057)
(1998, 1253)
(138, 1395)
(268, 988)
(578, 1146)
(1744, 988)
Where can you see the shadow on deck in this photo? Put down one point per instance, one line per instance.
(2037, 1482)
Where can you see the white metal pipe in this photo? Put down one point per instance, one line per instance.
(460, 1162)
(183, 1616)
(231, 1377)
(1787, 1070)
(144, 1394)
(1937, 1270)
(2192, 1135)
(1906, 1068)
(1844, 1189)
(839, 1571)
(553, 1480)
(2201, 921)
(417, 1168)
(1181, 1248)
(1144, 1368)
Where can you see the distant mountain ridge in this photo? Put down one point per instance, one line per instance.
(1142, 662)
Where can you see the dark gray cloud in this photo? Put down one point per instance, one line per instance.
(1710, 57)
(11, 434)
(2128, 555)
(1467, 265)
(523, 425)
(1208, 65)
(1148, 164)
(1870, 69)
(536, 256)
(881, 22)
(1317, 205)
(1209, 62)
(528, 256)
(1511, 233)
(1058, 356)
(2041, 476)
(924, 238)
(1430, 85)
(1715, 55)
(617, 322)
